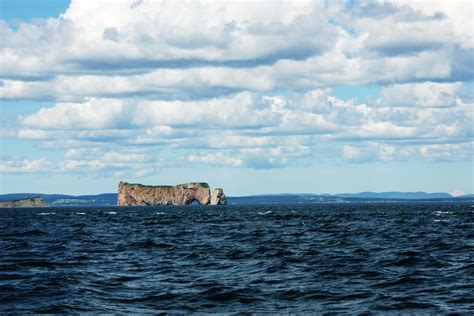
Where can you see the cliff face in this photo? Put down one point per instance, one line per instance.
(218, 197)
(34, 201)
(182, 194)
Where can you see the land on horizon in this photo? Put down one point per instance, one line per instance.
(259, 96)
(110, 199)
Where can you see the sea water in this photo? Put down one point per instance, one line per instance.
(221, 259)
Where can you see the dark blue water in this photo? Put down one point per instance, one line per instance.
(290, 259)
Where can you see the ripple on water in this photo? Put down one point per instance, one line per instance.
(270, 259)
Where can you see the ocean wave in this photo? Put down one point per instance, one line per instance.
(249, 259)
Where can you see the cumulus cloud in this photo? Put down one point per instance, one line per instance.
(216, 159)
(458, 14)
(356, 154)
(93, 114)
(296, 45)
(240, 84)
(251, 130)
(316, 112)
(158, 33)
(425, 94)
(107, 161)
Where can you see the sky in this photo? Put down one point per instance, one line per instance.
(255, 97)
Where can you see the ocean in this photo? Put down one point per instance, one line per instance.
(340, 258)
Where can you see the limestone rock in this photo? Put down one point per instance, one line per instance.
(31, 202)
(218, 197)
(182, 194)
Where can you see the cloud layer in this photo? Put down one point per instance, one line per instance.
(240, 84)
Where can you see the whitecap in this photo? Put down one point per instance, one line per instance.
(51, 213)
(111, 213)
(79, 213)
(440, 213)
(264, 213)
(160, 213)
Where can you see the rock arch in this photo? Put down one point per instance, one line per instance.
(183, 194)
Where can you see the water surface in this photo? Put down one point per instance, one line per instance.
(297, 258)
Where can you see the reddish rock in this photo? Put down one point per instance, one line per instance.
(182, 194)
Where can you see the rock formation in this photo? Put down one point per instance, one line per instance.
(34, 201)
(218, 197)
(182, 194)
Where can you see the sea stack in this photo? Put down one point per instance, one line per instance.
(218, 197)
(182, 194)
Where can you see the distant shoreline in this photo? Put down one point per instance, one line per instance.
(110, 199)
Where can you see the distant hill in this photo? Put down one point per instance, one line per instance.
(110, 199)
(466, 196)
(284, 199)
(363, 197)
(396, 195)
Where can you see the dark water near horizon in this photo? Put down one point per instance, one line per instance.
(290, 259)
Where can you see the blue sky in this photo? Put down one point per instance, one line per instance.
(287, 97)
(27, 10)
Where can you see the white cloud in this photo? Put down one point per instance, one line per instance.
(448, 152)
(459, 14)
(315, 112)
(26, 166)
(253, 157)
(92, 114)
(425, 94)
(161, 83)
(40, 134)
(252, 86)
(216, 159)
(374, 151)
(165, 31)
(356, 154)
(332, 68)
(292, 41)
(136, 162)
